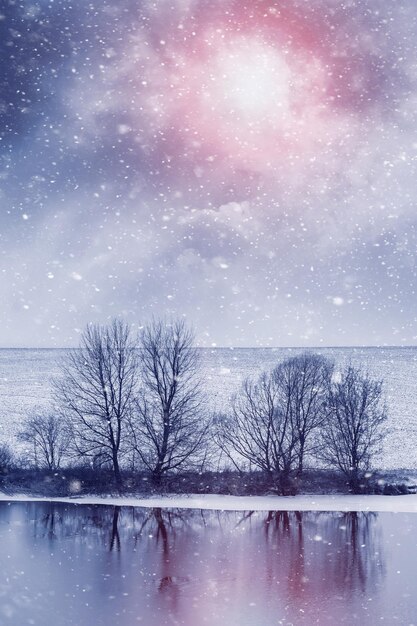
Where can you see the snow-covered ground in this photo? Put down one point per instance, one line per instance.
(396, 504)
(25, 377)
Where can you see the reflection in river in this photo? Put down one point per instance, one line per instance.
(102, 565)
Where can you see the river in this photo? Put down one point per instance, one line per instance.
(70, 565)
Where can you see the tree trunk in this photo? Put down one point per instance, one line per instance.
(355, 482)
(157, 476)
(286, 484)
(301, 457)
(117, 473)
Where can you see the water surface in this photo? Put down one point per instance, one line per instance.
(103, 565)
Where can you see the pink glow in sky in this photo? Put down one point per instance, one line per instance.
(252, 91)
(248, 165)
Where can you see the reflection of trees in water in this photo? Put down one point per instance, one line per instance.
(57, 521)
(49, 524)
(161, 524)
(110, 526)
(323, 553)
(168, 584)
(285, 530)
(356, 559)
(114, 535)
(310, 555)
(164, 528)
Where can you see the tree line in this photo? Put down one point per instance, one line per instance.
(138, 401)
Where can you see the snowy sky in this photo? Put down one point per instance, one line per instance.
(251, 166)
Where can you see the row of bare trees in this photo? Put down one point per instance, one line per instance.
(125, 396)
(305, 408)
(125, 399)
(273, 418)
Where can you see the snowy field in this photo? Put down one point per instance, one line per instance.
(25, 376)
(343, 503)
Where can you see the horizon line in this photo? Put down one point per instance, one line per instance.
(321, 347)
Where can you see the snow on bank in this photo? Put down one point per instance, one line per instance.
(397, 504)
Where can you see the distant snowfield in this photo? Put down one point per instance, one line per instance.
(395, 504)
(25, 384)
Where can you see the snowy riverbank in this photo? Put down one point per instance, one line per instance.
(404, 504)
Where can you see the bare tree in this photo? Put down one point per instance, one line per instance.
(302, 382)
(48, 438)
(169, 429)
(260, 430)
(273, 419)
(355, 428)
(96, 391)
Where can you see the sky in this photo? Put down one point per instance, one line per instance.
(250, 166)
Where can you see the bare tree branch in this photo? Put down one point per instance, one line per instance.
(169, 427)
(355, 427)
(273, 419)
(96, 391)
(48, 438)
